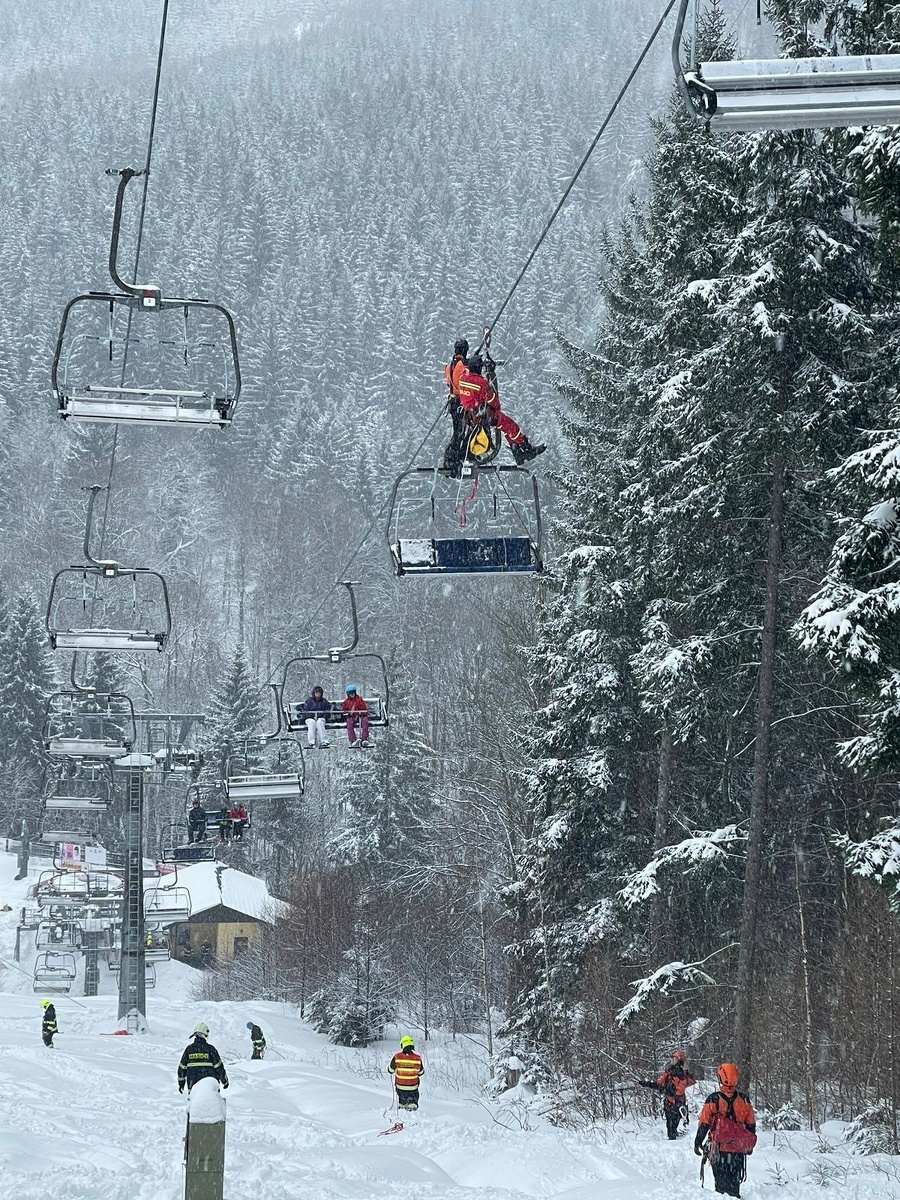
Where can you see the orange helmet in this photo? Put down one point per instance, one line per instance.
(679, 1056)
(728, 1075)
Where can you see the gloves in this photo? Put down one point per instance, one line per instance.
(646, 1083)
(698, 1149)
(180, 1088)
(225, 1085)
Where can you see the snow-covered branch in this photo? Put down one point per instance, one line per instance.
(696, 851)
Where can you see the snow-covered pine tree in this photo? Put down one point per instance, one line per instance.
(235, 714)
(26, 681)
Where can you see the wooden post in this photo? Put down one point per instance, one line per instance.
(204, 1143)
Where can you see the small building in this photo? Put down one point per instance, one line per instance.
(229, 910)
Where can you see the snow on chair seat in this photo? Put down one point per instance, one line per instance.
(143, 406)
(76, 803)
(796, 93)
(108, 639)
(287, 786)
(54, 972)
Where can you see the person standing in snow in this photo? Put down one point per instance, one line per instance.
(201, 1060)
(673, 1083)
(48, 1022)
(407, 1068)
(726, 1132)
(257, 1040)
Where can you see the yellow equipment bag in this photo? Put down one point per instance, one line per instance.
(479, 443)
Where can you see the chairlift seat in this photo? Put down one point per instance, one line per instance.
(191, 853)
(78, 747)
(264, 787)
(796, 93)
(78, 837)
(76, 804)
(336, 718)
(465, 556)
(167, 906)
(107, 639)
(143, 406)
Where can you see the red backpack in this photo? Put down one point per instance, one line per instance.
(728, 1136)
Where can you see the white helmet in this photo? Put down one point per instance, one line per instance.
(202, 1029)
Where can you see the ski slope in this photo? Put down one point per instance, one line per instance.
(99, 1117)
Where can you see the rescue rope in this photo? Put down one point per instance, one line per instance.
(584, 162)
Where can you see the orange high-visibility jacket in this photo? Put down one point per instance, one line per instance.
(718, 1103)
(407, 1068)
(452, 372)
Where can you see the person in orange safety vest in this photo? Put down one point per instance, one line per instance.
(726, 1132)
(477, 396)
(673, 1083)
(407, 1068)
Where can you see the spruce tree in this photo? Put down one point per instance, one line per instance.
(236, 711)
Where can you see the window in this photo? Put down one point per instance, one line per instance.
(241, 946)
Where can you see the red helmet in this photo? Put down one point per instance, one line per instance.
(679, 1056)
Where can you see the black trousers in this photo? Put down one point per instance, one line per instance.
(674, 1113)
(729, 1171)
(407, 1097)
(47, 1038)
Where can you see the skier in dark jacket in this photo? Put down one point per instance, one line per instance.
(196, 820)
(48, 1022)
(200, 1061)
(257, 1039)
(673, 1083)
(315, 713)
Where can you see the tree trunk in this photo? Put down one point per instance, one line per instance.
(660, 833)
(743, 1048)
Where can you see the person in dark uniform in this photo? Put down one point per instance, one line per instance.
(196, 820)
(48, 1022)
(200, 1060)
(256, 1037)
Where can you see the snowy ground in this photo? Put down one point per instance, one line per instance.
(99, 1117)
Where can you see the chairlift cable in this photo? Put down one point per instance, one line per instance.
(342, 573)
(590, 150)
(154, 110)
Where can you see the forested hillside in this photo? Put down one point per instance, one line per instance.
(633, 803)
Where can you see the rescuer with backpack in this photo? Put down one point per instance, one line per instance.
(407, 1069)
(673, 1083)
(257, 1040)
(727, 1124)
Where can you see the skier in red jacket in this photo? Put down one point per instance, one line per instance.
(355, 708)
(476, 396)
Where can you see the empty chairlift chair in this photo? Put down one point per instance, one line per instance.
(54, 972)
(87, 724)
(487, 522)
(789, 93)
(270, 769)
(139, 357)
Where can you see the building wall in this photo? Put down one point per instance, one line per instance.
(201, 943)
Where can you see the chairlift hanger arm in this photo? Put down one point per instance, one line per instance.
(336, 653)
(125, 177)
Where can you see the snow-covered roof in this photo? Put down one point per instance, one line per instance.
(211, 884)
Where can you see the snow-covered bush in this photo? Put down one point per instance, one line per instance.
(787, 1118)
(872, 1132)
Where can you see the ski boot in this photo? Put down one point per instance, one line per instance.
(524, 452)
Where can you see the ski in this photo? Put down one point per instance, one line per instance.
(395, 1128)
